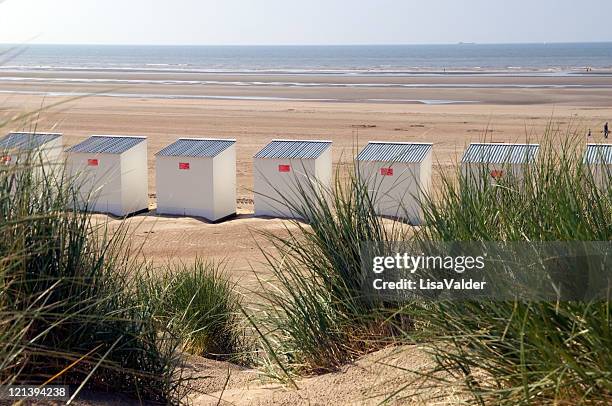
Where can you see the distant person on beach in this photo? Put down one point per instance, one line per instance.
(606, 130)
(589, 134)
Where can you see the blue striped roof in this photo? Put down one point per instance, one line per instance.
(598, 154)
(107, 144)
(394, 152)
(500, 153)
(197, 147)
(26, 140)
(295, 149)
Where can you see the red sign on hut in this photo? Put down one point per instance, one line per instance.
(386, 171)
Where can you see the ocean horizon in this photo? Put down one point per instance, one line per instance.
(544, 58)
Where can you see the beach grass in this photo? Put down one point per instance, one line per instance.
(315, 318)
(69, 315)
(524, 352)
(201, 307)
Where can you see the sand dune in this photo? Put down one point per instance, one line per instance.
(369, 381)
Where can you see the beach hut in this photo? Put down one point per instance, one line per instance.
(598, 158)
(110, 172)
(286, 170)
(496, 162)
(43, 149)
(197, 177)
(397, 176)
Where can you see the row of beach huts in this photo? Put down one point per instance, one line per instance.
(197, 176)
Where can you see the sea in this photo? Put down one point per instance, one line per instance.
(462, 58)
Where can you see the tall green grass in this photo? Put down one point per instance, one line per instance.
(525, 352)
(201, 306)
(315, 318)
(556, 199)
(68, 312)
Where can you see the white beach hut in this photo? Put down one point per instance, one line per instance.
(398, 177)
(286, 169)
(494, 162)
(197, 177)
(111, 173)
(45, 149)
(598, 158)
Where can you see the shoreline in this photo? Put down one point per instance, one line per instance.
(315, 81)
(338, 74)
(400, 71)
(374, 89)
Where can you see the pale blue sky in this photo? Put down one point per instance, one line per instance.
(267, 22)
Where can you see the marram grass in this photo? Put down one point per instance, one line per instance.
(315, 318)
(525, 352)
(201, 306)
(69, 315)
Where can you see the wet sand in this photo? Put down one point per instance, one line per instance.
(487, 88)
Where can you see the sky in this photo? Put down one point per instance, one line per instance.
(301, 22)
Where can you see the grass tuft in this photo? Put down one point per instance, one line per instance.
(68, 312)
(316, 318)
(201, 307)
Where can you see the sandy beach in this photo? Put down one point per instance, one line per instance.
(503, 108)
